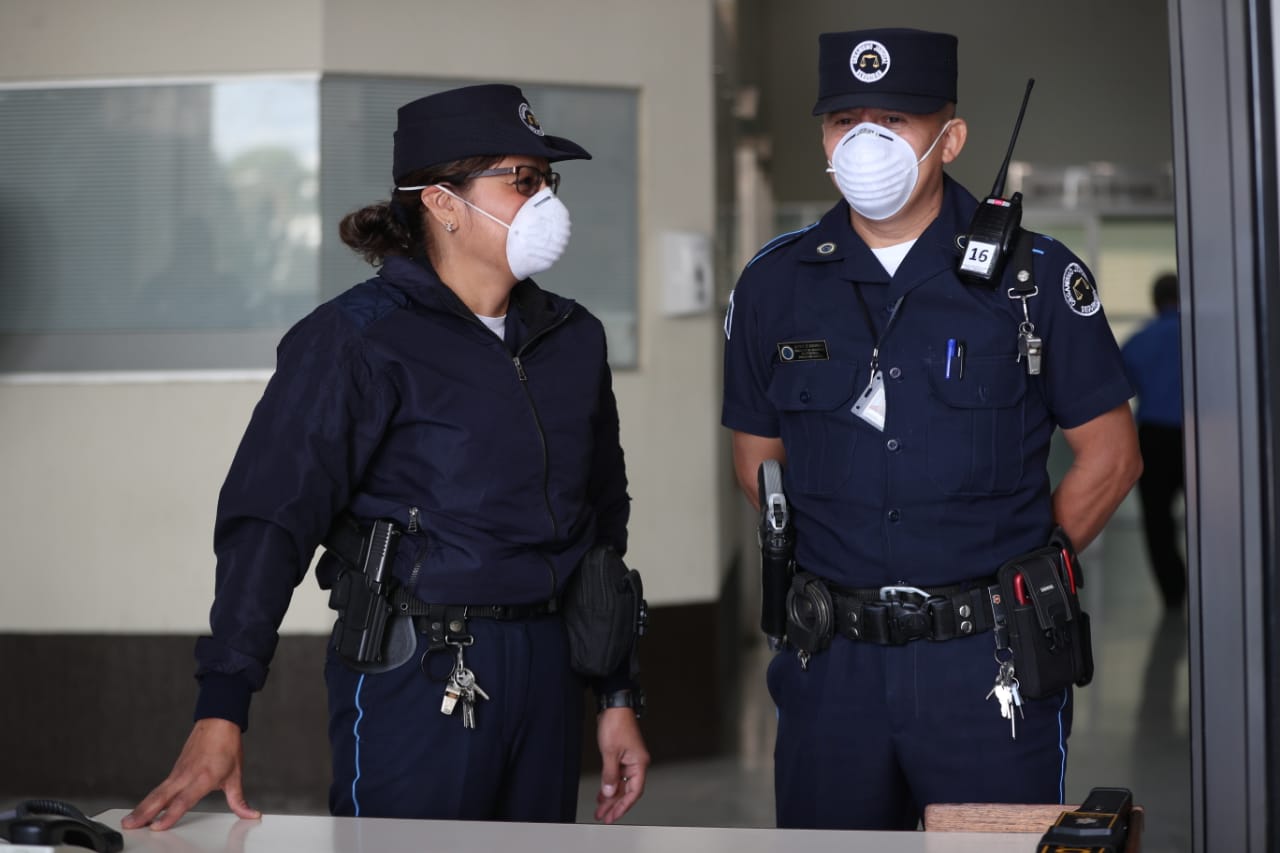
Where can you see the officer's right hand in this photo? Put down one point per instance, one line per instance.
(211, 759)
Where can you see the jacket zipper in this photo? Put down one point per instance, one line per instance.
(537, 420)
(421, 556)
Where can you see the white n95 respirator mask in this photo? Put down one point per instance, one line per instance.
(876, 169)
(536, 236)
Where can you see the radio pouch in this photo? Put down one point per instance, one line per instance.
(1048, 632)
(604, 614)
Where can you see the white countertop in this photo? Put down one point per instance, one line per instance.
(224, 833)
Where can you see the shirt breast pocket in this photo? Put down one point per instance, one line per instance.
(977, 426)
(813, 401)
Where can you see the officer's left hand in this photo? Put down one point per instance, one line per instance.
(624, 759)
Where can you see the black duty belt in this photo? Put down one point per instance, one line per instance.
(894, 615)
(405, 603)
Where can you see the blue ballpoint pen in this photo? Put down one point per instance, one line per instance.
(951, 353)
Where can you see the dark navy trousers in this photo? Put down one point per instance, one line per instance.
(869, 735)
(396, 755)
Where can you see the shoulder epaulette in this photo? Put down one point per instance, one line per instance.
(782, 240)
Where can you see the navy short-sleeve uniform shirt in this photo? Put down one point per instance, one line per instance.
(956, 482)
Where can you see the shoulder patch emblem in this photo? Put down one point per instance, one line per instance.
(1080, 294)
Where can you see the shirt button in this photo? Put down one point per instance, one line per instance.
(892, 444)
(804, 396)
(895, 373)
(894, 515)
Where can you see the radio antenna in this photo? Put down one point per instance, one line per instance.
(997, 191)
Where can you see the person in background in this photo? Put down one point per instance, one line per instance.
(1153, 362)
(451, 423)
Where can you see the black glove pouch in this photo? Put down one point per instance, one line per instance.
(1048, 632)
(604, 614)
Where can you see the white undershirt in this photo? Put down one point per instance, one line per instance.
(497, 325)
(891, 256)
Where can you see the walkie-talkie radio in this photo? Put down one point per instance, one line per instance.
(996, 221)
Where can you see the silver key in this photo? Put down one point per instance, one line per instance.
(454, 688)
(466, 681)
(1006, 693)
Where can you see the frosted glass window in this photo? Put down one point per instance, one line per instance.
(140, 224)
(187, 224)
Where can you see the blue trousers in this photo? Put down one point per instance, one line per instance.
(869, 735)
(396, 755)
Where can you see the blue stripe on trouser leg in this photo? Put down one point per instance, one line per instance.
(355, 732)
(872, 734)
(520, 763)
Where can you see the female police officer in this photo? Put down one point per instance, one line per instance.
(474, 411)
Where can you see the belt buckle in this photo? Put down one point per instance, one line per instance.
(894, 593)
(908, 620)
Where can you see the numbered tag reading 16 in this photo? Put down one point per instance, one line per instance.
(979, 257)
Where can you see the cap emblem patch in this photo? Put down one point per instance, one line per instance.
(530, 120)
(869, 61)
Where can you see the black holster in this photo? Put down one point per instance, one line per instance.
(1038, 618)
(604, 614)
(776, 536)
(360, 584)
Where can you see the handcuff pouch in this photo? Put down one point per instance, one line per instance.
(811, 619)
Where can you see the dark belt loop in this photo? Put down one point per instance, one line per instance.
(875, 622)
(942, 619)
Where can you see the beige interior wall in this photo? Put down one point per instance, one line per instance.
(110, 488)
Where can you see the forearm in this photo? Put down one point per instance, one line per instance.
(1085, 500)
(1107, 464)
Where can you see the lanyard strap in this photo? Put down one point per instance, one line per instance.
(871, 325)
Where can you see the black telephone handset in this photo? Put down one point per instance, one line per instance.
(995, 223)
(53, 822)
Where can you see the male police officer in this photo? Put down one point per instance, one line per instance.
(915, 438)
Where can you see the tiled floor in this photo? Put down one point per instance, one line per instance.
(1130, 726)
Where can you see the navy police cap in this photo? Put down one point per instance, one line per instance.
(894, 69)
(474, 121)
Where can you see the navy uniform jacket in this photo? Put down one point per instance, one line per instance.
(394, 401)
(956, 483)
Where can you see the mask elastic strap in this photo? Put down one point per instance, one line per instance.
(448, 191)
(936, 140)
